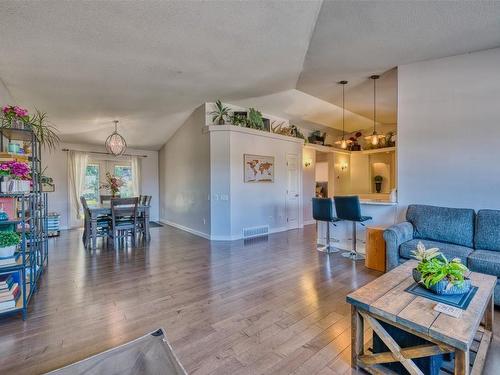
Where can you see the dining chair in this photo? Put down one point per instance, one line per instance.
(103, 223)
(144, 200)
(123, 219)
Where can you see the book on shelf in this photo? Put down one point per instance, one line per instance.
(6, 281)
(8, 300)
(10, 261)
(7, 294)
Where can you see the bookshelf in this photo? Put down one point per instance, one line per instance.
(28, 218)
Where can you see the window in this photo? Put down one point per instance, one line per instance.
(91, 189)
(125, 173)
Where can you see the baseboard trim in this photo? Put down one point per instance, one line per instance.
(184, 228)
(309, 222)
(215, 237)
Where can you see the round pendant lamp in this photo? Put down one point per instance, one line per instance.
(115, 143)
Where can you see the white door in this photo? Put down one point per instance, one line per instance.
(292, 192)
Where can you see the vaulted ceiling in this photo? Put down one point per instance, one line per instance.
(149, 64)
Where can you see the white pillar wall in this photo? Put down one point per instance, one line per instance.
(384, 215)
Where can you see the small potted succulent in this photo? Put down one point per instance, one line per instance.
(378, 183)
(436, 273)
(8, 243)
(220, 113)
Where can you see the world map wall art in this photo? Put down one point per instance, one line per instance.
(258, 168)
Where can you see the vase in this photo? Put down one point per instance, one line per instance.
(16, 123)
(378, 187)
(443, 287)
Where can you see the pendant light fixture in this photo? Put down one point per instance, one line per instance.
(115, 143)
(374, 136)
(343, 143)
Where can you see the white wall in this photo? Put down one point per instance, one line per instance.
(57, 168)
(255, 204)
(184, 163)
(309, 183)
(449, 131)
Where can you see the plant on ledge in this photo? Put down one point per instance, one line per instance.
(438, 274)
(238, 120)
(220, 114)
(254, 120)
(113, 184)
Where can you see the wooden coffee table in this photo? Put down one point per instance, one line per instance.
(385, 299)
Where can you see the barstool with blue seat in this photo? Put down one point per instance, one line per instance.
(323, 211)
(348, 208)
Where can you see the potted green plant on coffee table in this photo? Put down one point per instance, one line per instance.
(436, 273)
(8, 243)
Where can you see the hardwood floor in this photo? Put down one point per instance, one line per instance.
(274, 306)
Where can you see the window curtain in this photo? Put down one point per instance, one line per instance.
(135, 164)
(77, 166)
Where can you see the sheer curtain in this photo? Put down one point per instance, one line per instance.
(77, 166)
(135, 164)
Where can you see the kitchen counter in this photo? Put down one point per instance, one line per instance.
(378, 202)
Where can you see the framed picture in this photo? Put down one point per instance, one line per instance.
(257, 168)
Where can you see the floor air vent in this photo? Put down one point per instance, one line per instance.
(256, 231)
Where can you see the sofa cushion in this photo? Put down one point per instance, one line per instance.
(451, 225)
(485, 261)
(488, 230)
(450, 251)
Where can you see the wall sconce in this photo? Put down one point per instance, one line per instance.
(343, 166)
(307, 163)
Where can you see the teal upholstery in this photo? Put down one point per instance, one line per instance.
(323, 210)
(450, 251)
(394, 237)
(348, 208)
(443, 224)
(485, 261)
(488, 230)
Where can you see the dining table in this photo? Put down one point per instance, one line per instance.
(104, 209)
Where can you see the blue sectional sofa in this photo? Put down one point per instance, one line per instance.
(457, 232)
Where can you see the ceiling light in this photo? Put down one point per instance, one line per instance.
(375, 137)
(343, 143)
(115, 143)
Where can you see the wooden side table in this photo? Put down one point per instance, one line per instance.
(375, 248)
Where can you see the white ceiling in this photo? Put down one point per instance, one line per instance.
(354, 39)
(147, 64)
(150, 63)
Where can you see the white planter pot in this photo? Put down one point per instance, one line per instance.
(16, 186)
(6, 252)
(23, 186)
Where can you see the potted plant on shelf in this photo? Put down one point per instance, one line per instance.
(14, 117)
(45, 131)
(254, 120)
(113, 184)
(436, 273)
(8, 243)
(317, 138)
(220, 114)
(15, 176)
(239, 119)
(378, 183)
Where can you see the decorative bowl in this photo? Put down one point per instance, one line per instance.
(444, 286)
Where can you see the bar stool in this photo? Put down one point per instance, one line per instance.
(348, 208)
(323, 211)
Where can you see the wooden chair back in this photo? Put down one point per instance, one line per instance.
(124, 207)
